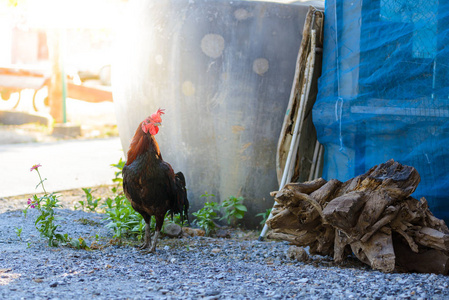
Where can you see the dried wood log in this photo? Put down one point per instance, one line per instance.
(427, 261)
(306, 187)
(294, 237)
(285, 219)
(390, 214)
(342, 212)
(372, 214)
(340, 247)
(431, 238)
(377, 252)
(326, 192)
(283, 236)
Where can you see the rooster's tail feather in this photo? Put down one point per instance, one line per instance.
(182, 205)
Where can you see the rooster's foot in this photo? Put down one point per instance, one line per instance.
(147, 238)
(143, 246)
(147, 248)
(147, 251)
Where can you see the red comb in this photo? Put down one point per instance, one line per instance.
(156, 117)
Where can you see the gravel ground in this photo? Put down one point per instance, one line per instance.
(187, 268)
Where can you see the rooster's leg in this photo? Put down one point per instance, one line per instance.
(159, 223)
(147, 238)
(153, 246)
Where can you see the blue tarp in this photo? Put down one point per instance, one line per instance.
(384, 91)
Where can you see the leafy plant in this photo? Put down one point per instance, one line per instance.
(118, 179)
(91, 204)
(18, 232)
(264, 216)
(233, 210)
(45, 222)
(79, 243)
(176, 219)
(205, 216)
(124, 220)
(207, 195)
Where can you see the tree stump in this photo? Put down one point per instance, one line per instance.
(372, 215)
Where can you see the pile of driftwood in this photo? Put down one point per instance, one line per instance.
(372, 216)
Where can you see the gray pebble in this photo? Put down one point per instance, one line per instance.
(212, 293)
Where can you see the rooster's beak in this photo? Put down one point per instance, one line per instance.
(157, 124)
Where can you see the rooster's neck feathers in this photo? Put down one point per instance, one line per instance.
(140, 144)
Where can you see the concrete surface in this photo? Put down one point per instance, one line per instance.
(66, 165)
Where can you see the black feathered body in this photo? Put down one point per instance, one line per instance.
(150, 183)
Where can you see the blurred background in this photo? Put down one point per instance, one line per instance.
(55, 63)
(56, 104)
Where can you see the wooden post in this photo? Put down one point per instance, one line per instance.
(56, 89)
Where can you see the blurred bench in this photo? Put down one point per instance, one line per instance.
(14, 80)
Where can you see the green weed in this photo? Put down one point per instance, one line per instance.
(233, 210)
(18, 232)
(45, 222)
(264, 216)
(123, 219)
(91, 204)
(205, 216)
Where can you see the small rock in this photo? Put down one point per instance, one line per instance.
(223, 233)
(212, 293)
(54, 284)
(164, 291)
(298, 253)
(172, 230)
(5, 270)
(216, 250)
(193, 231)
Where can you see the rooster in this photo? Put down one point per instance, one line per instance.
(149, 183)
